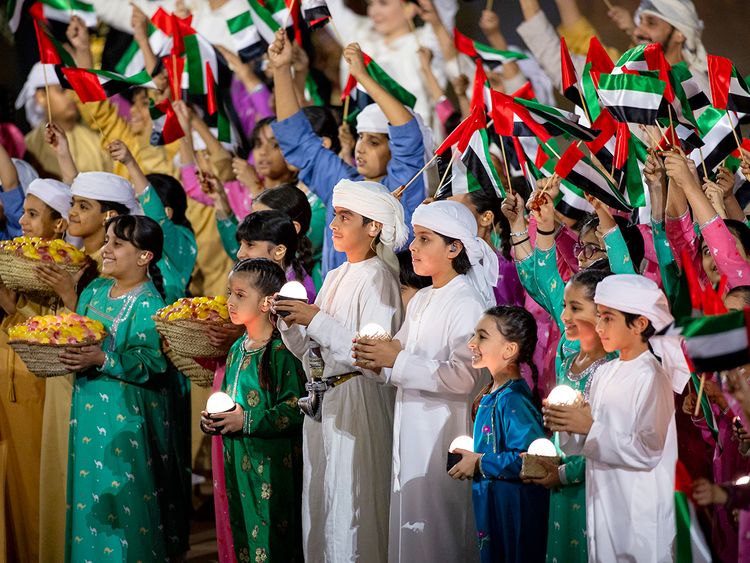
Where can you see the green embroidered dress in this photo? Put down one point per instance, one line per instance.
(263, 464)
(119, 450)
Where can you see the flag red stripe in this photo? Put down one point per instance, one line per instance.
(567, 162)
(569, 78)
(720, 78)
(85, 84)
(210, 91)
(464, 44)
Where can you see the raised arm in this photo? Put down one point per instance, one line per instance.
(280, 54)
(8, 172)
(56, 138)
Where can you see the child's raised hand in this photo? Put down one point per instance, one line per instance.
(356, 60)
(654, 170)
(427, 12)
(246, 174)
(119, 152)
(56, 138)
(705, 493)
(512, 208)
(489, 23)
(725, 180)
(139, 22)
(467, 467)
(678, 170)
(280, 52)
(78, 34)
(226, 422)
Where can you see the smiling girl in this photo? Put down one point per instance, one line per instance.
(263, 434)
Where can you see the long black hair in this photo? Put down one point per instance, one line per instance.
(518, 325)
(172, 195)
(485, 200)
(145, 234)
(275, 227)
(588, 279)
(266, 277)
(293, 201)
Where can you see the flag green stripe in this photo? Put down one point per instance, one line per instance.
(683, 548)
(238, 23)
(194, 65)
(393, 87)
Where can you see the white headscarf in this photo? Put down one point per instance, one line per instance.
(103, 186)
(35, 114)
(681, 15)
(374, 201)
(53, 193)
(632, 293)
(454, 220)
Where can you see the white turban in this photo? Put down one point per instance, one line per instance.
(375, 201)
(681, 15)
(454, 220)
(372, 120)
(632, 293)
(103, 186)
(55, 194)
(35, 114)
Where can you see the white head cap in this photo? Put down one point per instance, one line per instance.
(103, 186)
(55, 194)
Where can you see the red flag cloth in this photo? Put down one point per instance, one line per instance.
(621, 145)
(172, 129)
(526, 92)
(569, 77)
(175, 66)
(47, 52)
(480, 80)
(464, 44)
(599, 58)
(607, 127)
(720, 78)
(461, 135)
(86, 84)
(568, 160)
(655, 60)
(694, 284)
(210, 91)
(351, 82)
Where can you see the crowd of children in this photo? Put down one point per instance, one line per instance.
(397, 411)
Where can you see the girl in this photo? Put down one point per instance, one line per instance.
(22, 396)
(271, 234)
(408, 279)
(428, 363)
(263, 434)
(119, 462)
(507, 511)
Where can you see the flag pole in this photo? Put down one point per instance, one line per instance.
(289, 13)
(346, 108)
(703, 164)
(448, 169)
(700, 395)
(400, 190)
(609, 5)
(736, 138)
(175, 82)
(46, 94)
(505, 161)
(488, 6)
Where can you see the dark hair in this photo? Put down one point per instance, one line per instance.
(145, 234)
(588, 279)
(324, 124)
(259, 125)
(119, 208)
(267, 277)
(518, 325)
(172, 195)
(630, 233)
(741, 291)
(460, 263)
(630, 319)
(406, 274)
(741, 232)
(275, 227)
(485, 200)
(292, 201)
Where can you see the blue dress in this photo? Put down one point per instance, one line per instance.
(511, 516)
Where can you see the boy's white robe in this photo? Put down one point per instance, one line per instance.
(631, 452)
(346, 456)
(431, 514)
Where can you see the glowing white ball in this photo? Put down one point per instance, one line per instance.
(542, 447)
(293, 290)
(219, 402)
(462, 443)
(373, 330)
(562, 395)
(744, 480)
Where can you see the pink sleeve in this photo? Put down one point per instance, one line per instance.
(240, 199)
(681, 236)
(724, 249)
(444, 109)
(565, 243)
(192, 186)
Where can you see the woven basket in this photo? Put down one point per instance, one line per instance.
(195, 372)
(531, 466)
(43, 359)
(189, 338)
(19, 274)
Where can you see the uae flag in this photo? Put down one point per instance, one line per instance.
(269, 17)
(718, 140)
(474, 171)
(729, 90)
(581, 172)
(690, 543)
(51, 51)
(556, 121)
(491, 58)
(63, 10)
(511, 119)
(315, 13)
(571, 87)
(597, 62)
(132, 60)
(245, 36)
(361, 98)
(200, 56)
(166, 126)
(632, 98)
(571, 201)
(97, 85)
(690, 93)
(715, 342)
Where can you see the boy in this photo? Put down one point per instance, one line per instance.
(346, 452)
(390, 159)
(627, 433)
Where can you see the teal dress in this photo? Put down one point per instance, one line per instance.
(507, 511)
(263, 463)
(566, 536)
(120, 460)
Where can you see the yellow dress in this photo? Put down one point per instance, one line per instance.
(22, 399)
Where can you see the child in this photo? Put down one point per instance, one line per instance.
(118, 464)
(271, 234)
(430, 366)
(627, 434)
(507, 511)
(348, 448)
(262, 435)
(391, 159)
(45, 212)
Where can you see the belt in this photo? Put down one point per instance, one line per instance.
(336, 380)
